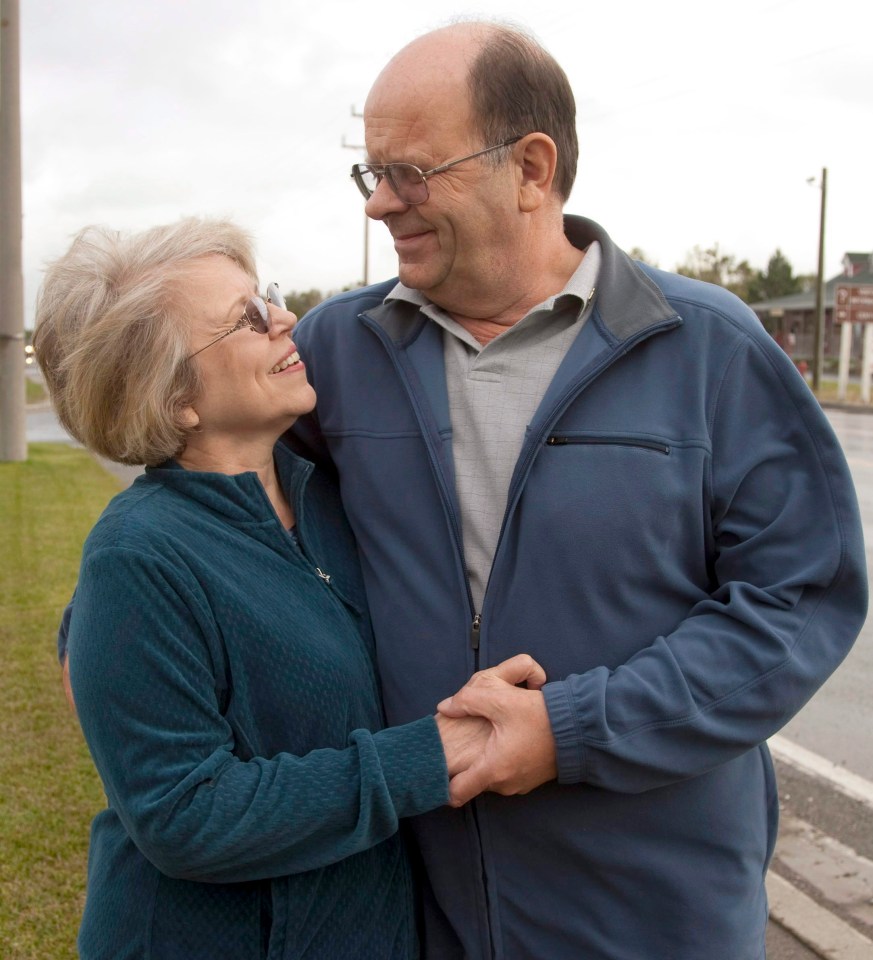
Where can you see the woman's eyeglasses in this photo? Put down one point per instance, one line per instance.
(256, 316)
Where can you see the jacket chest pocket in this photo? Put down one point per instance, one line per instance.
(637, 492)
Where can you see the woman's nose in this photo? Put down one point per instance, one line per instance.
(281, 321)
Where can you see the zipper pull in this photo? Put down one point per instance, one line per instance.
(474, 631)
(322, 575)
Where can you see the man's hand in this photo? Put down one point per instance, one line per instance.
(519, 753)
(464, 739)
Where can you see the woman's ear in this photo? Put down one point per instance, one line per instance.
(538, 158)
(189, 418)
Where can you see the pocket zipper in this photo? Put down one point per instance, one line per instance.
(560, 441)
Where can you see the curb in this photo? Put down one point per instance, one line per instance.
(813, 925)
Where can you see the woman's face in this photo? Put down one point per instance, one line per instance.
(253, 384)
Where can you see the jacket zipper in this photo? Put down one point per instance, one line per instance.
(560, 441)
(474, 636)
(455, 528)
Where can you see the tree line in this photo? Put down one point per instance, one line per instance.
(711, 264)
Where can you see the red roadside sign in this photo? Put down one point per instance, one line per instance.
(854, 304)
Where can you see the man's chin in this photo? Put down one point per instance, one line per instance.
(418, 276)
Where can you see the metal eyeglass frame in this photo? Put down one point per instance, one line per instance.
(384, 170)
(255, 316)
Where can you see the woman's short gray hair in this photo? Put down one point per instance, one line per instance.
(111, 334)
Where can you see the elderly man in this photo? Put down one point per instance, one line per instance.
(547, 448)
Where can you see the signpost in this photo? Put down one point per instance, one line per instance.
(853, 303)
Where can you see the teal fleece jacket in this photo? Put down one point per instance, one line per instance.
(225, 682)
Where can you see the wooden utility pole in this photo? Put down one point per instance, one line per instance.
(13, 442)
(818, 345)
(360, 146)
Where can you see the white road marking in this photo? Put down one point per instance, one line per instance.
(848, 783)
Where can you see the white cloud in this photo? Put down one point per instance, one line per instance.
(699, 123)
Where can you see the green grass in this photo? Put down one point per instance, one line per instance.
(49, 790)
(35, 391)
(827, 392)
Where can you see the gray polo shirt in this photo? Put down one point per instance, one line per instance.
(494, 392)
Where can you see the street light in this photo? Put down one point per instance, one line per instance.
(818, 343)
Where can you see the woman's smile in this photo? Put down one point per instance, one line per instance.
(291, 361)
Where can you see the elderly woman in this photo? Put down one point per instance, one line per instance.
(219, 649)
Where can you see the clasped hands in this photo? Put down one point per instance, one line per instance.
(496, 734)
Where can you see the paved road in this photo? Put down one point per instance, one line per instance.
(43, 427)
(838, 722)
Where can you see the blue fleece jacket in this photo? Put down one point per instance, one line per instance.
(225, 684)
(681, 550)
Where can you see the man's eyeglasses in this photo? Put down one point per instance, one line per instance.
(256, 316)
(405, 179)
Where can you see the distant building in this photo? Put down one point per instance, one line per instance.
(791, 320)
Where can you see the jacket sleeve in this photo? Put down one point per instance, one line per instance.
(143, 670)
(788, 596)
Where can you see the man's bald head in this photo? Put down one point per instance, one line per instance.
(503, 78)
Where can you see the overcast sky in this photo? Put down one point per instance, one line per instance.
(699, 123)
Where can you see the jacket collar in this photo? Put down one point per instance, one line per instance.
(239, 498)
(627, 300)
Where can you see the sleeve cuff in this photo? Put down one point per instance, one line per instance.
(570, 750)
(414, 766)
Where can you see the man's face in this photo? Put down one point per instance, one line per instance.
(460, 240)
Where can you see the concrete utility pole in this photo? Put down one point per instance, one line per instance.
(13, 441)
(818, 345)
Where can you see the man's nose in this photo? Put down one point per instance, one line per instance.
(383, 201)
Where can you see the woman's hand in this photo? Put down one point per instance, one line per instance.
(519, 752)
(68, 689)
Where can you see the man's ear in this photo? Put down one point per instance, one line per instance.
(538, 158)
